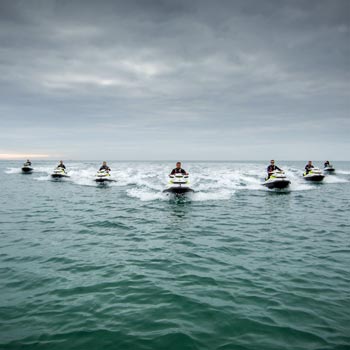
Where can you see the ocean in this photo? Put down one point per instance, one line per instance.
(124, 266)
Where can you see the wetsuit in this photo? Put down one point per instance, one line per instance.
(326, 164)
(28, 163)
(272, 168)
(308, 168)
(61, 166)
(105, 167)
(178, 171)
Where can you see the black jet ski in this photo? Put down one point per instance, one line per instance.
(59, 173)
(329, 169)
(103, 176)
(27, 168)
(315, 175)
(178, 184)
(277, 179)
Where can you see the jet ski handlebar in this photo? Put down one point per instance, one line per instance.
(178, 175)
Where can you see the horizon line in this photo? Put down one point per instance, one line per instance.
(169, 160)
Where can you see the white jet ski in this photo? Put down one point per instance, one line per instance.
(329, 169)
(315, 174)
(277, 179)
(178, 184)
(103, 176)
(59, 173)
(27, 169)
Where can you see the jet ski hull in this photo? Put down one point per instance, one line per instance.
(27, 169)
(102, 180)
(279, 184)
(314, 178)
(58, 176)
(178, 190)
(329, 170)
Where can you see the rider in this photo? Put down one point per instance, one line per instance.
(308, 167)
(28, 163)
(271, 168)
(178, 170)
(61, 165)
(326, 164)
(105, 167)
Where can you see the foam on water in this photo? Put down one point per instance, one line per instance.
(145, 194)
(210, 181)
(333, 179)
(343, 172)
(13, 171)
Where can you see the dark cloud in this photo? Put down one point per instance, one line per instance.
(192, 79)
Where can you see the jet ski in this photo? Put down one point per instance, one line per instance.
(26, 168)
(277, 179)
(329, 169)
(59, 173)
(103, 176)
(315, 174)
(178, 184)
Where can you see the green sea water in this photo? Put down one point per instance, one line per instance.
(124, 266)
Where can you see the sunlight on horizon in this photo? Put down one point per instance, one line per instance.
(9, 156)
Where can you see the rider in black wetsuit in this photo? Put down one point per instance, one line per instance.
(326, 164)
(178, 170)
(271, 168)
(308, 166)
(105, 167)
(61, 165)
(28, 163)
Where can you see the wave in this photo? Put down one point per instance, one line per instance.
(343, 172)
(210, 181)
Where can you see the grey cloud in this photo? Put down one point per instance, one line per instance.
(220, 74)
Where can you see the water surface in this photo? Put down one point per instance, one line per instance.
(124, 266)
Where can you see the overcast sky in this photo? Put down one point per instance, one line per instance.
(147, 80)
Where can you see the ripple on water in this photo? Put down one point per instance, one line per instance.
(125, 267)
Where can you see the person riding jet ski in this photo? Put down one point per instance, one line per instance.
(27, 167)
(312, 173)
(61, 165)
(103, 174)
(308, 167)
(105, 167)
(60, 171)
(275, 177)
(179, 181)
(271, 168)
(178, 170)
(328, 167)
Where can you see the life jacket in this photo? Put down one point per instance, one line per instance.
(178, 171)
